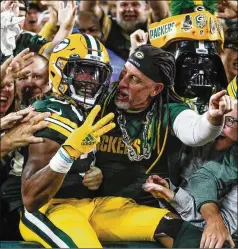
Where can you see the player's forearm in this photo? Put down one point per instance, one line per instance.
(61, 34)
(40, 188)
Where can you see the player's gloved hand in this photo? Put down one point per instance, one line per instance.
(84, 139)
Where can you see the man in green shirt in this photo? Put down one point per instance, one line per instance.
(152, 125)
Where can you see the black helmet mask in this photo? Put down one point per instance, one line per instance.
(199, 69)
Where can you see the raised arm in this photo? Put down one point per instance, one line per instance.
(66, 19)
(92, 6)
(196, 130)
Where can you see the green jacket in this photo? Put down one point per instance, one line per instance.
(205, 183)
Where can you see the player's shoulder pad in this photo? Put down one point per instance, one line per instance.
(59, 108)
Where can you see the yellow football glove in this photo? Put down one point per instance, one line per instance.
(84, 139)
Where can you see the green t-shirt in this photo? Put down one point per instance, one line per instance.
(123, 176)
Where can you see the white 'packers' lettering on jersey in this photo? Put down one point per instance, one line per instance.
(162, 30)
(115, 145)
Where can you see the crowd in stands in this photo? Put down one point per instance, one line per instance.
(119, 122)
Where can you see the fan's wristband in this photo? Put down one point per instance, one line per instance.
(61, 162)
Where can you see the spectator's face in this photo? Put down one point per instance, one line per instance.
(135, 90)
(230, 129)
(230, 61)
(7, 96)
(37, 82)
(131, 13)
(31, 21)
(86, 25)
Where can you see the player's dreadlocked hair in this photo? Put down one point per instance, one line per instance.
(158, 65)
(163, 69)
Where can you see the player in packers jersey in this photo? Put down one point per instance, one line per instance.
(80, 73)
(57, 212)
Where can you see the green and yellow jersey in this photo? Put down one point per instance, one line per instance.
(64, 119)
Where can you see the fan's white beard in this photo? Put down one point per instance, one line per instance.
(121, 105)
(130, 26)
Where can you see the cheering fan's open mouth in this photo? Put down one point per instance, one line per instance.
(122, 95)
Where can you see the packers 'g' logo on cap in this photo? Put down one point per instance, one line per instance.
(139, 55)
(199, 8)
